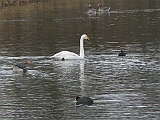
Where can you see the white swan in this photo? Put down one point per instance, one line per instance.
(66, 55)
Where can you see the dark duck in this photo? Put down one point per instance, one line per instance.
(84, 100)
(122, 53)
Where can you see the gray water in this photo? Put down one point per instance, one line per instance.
(121, 87)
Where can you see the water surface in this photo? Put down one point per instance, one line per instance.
(121, 87)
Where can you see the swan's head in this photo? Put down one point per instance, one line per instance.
(84, 36)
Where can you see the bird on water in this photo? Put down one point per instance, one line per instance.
(21, 67)
(84, 100)
(122, 53)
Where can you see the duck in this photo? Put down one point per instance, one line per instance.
(105, 9)
(91, 10)
(67, 55)
(122, 53)
(18, 68)
(84, 100)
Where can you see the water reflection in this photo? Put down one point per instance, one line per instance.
(82, 77)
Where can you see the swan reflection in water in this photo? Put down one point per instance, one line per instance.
(82, 76)
(67, 71)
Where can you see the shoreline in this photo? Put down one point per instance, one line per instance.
(6, 3)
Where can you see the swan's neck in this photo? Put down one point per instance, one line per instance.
(81, 48)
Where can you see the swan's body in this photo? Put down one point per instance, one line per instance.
(105, 9)
(66, 55)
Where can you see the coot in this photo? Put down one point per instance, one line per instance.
(84, 100)
(122, 53)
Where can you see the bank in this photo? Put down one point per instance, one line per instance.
(5, 3)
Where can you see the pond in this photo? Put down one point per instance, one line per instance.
(122, 87)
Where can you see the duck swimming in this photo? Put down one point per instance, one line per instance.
(20, 67)
(105, 9)
(122, 53)
(91, 10)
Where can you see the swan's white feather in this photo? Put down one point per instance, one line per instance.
(66, 55)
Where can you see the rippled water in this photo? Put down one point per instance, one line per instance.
(121, 87)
